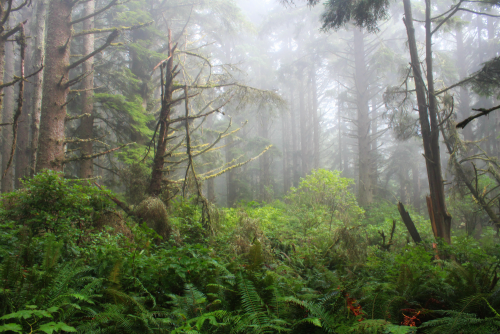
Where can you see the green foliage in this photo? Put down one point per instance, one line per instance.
(364, 14)
(257, 273)
(34, 318)
(49, 203)
(323, 198)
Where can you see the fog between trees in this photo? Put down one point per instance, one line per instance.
(235, 101)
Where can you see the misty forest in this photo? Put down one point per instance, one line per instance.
(250, 166)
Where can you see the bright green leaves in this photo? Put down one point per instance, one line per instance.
(51, 327)
(11, 327)
(57, 205)
(32, 317)
(326, 193)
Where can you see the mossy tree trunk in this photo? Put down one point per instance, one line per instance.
(429, 125)
(155, 185)
(7, 117)
(38, 37)
(23, 134)
(87, 125)
(51, 146)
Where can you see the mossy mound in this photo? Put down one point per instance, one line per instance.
(154, 213)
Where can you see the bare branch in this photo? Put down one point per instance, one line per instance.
(483, 112)
(109, 40)
(103, 9)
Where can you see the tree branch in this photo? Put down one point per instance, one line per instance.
(112, 3)
(109, 40)
(483, 112)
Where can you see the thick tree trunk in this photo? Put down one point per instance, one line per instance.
(38, 36)
(365, 188)
(23, 134)
(161, 148)
(51, 147)
(87, 124)
(430, 130)
(8, 113)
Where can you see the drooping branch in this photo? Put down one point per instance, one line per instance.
(92, 156)
(237, 165)
(102, 31)
(482, 112)
(72, 118)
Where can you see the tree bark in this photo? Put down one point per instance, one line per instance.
(51, 147)
(23, 134)
(416, 187)
(87, 123)
(38, 36)
(303, 126)
(295, 141)
(285, 143)
(365, 188)
(410, 226)
(315, 117)
(8, 113)
(374, 150)
(161, 148)
(429, 125)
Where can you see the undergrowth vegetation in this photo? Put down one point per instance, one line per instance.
(313, 263)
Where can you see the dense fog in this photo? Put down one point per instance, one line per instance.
(275, 90)
(250, 166)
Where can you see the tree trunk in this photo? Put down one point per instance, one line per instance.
(340, 134)
(365, 189)
(416, 187)
(87, 123)
(211, 181)
(23, 134)
(463, 97)
(374, 150)
(285, 143)
(161, 148)
(231, 191)
(295, 140)
(264, 161)
(315, 117)
(38, 35)
(430, 131)
(3, 7)
(303, 126)
(51, 147)
(8, 113)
